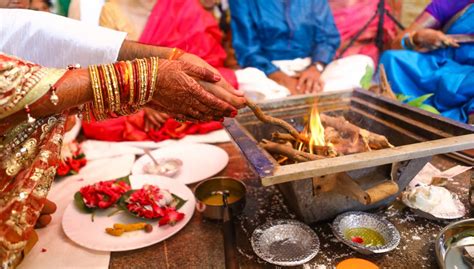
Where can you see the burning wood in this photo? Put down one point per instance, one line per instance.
(327, 137)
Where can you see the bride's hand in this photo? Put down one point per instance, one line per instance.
(191, 93)
(45, 215)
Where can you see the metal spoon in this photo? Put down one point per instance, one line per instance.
(147, 152)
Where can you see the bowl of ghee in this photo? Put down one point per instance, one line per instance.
(366, 233)
(211, 204)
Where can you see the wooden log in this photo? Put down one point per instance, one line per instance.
(275, 121)
(375, 141)
(326, 151)
(288, 151)
(382, 191)
(340, 183)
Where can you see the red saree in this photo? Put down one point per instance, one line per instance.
(186, 25)
(29, 154)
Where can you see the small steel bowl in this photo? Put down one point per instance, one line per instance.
(206, 188)
(285, 242)
(357, 219)
(445, 238)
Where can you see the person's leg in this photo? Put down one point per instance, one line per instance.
(346, 73)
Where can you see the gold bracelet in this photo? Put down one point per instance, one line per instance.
(154, 77)
(131, 81)
(115, 87)
(110, 90)
(98, 98)
(144, 65)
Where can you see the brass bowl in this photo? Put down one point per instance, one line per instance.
(213, 209)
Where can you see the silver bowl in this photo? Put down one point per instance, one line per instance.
(445, 239)
(357, 219)
(285, 242)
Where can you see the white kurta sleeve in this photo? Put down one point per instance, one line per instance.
(55, 41)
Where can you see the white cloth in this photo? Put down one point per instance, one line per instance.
(54, 41)
(292, 67)
(346, 73)
(341, 74)
(258, 87)
(54, 249)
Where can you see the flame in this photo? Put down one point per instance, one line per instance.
(316, 129)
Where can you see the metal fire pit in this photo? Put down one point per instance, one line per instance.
(416, 134)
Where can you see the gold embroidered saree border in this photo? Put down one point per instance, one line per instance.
(40, 89)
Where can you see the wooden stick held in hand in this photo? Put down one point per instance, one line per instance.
(269, 119)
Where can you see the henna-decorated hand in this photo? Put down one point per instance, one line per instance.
(179, 93)
(193, 59)
(154, 119)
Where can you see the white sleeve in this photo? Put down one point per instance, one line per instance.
(55, 41)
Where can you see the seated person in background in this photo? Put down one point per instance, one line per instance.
(41, 5)
(433, 62)
(290, 41)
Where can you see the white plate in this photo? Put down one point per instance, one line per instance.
(200, 161)
(80, 229)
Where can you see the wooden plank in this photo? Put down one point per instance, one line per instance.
(368, 159)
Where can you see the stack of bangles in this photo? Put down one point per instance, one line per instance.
(121, 88)
(407, 42)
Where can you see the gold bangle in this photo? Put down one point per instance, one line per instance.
(131, 81)
(115, 87)
(110, 90)
(146, 81)
(96, 89)
(154, 76)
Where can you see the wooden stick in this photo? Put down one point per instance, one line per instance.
(269, 119)
(326, 150)
(382, 191)
(288, 151)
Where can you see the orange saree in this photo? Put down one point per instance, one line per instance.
(29, 154)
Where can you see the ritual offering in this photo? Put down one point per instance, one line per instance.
(101, 195)
(153, 209)
(185, 162)
(285, 242)
(340, 151)
(222, 198)
(151, 202)
(165, 167)
(120, 228)
(366, 233)
(434, 202)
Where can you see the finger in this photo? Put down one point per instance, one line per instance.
(43, 220)
(321, 85)
(206, 110)
(301, 86)
(162, 117)
(219, 92)
(153, 121)
(309, 85)
(49, 207)
(200, 72)
(215, 97)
